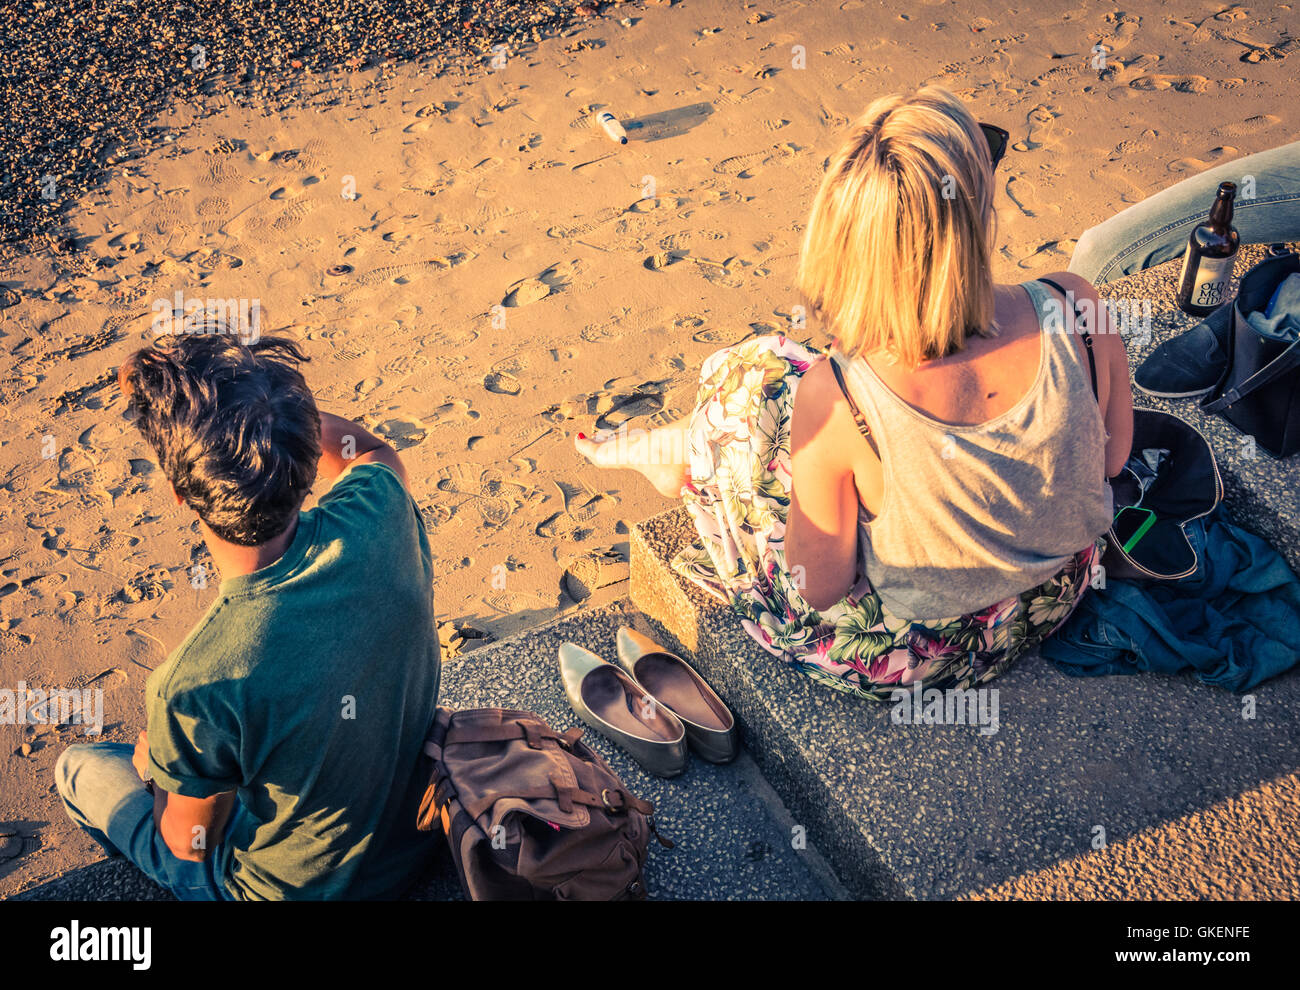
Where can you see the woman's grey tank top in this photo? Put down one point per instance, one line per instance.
(975, 514)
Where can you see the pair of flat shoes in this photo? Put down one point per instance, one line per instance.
(653, 704)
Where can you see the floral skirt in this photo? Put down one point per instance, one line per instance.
(738, 498)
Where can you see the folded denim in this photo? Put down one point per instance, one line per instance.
(1235, 623)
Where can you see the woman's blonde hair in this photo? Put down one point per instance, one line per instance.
(897, 254)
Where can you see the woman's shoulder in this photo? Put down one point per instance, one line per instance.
(815, 400)
(820, 407)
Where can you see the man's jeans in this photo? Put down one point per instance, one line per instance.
(104, 795)
(1157, 229)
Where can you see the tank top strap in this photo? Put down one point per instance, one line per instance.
(1047, 305)
(1050, 307)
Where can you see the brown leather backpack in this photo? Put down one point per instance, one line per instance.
(530, 813)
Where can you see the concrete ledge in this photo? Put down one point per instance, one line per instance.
(941, 811)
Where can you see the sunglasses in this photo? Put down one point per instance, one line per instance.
(997, 139)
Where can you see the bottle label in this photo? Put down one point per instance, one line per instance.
(1212, 278)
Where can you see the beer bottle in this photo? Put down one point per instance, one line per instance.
(1211, 252)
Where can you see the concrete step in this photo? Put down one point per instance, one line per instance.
(1150, 765)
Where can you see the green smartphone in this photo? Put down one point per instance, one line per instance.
(1131, 524)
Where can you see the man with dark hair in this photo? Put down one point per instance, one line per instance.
(285, 733)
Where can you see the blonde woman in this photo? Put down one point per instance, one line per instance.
(925, 502)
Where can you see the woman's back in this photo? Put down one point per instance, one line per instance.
(991, 465)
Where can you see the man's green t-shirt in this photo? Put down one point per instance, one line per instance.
(309, 686)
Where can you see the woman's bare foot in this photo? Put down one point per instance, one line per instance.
(658, 455)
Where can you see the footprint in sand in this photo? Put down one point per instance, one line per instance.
(581, 507)
(213, 206)
(293, 214)
(405, 365)
(97, 394)
(221, 171)
(531, 290)
(1273, 54)
(614, 405)
(435, 515)
(502, 383)
(587, 573)
(1250, 125)
(1041, 120)
(1130, 192)
(401, 431)
(651, 203)
(1183, 84)
(165, 215)
(1023, 193)
(1119, 69)
(1054, 253)
(455, 411)
(1125, 28)
(502, 379)
(1062, 73)
(403, 274)
(720, 336)
(127, 241)
(602, 217)
(1132, 146)
(1195, 165)
(658, 262)
(514, 603)
(214, 259)
(644, 401)
(495, 498)
(526, 292)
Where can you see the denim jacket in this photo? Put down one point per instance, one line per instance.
(1235, 622)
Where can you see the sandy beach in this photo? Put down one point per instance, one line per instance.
(477, 272)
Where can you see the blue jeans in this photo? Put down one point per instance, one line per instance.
(1157, 229)
(104, 795)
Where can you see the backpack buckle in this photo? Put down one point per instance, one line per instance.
(604, 799)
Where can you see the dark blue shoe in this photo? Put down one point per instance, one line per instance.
(1189, 364)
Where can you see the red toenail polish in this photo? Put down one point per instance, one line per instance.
(582, 436)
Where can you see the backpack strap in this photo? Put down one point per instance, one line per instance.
(1280, 365)
(858, 418)
(611, 799)
(1087, 337)
(531, 732)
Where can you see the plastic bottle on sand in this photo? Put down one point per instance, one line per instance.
(612, 127)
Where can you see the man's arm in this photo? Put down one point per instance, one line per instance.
(189, 827)
(344, 445)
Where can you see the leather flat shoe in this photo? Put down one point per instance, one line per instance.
(671, 681)
(619, 708)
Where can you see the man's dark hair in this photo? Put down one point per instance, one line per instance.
(233, 425)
